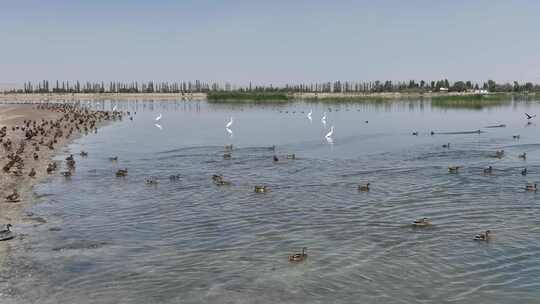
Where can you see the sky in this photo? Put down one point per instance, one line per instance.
(268, 42)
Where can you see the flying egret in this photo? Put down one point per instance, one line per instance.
(229, 124)
(159, 117)
(158, 126)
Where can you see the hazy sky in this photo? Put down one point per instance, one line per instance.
(269, 41)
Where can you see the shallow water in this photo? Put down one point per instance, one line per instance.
(118, 240)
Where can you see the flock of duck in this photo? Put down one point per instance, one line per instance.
(83, 120)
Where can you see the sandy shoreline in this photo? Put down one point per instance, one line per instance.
(12, 115)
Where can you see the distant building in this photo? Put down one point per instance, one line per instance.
(443, 90)
(481, 92)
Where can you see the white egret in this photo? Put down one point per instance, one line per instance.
(309, 115)
(229, 124)
(323, 119)
(329, 134)
(159, 117)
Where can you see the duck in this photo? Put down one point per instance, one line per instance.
(227, 155)
(6, 234)
(446, 146)
(174, 177)
(482, 236)
(524, 171)
(70, 157)
(364, 188)
(151, 181)
(122, 172)
(488, 170)
(423, 222)
(415, 133)
(531, 187)
(276, 159)
(523, 156)
(84, 153)
(14, 197)
(261, 189)
(499, 153)
(453, 169)
(298, 257)
(217, 178)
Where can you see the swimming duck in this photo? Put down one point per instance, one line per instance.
(14, 197)
(261, 189)
(122, 172)
(482, 236)
(298, 257)
(524, 172)
(423, 222)
(488, 170)
(415, 133)
(217, 178)
(291, 156)
(499, 153)
(227, 155)
(276, 159)
(364, 188)
(523, 156)
(151, 181)
(174, 177)
(70, 157)
(6, 234)
(446, 146)
(453, 169)
(531, 187)
(84, 154)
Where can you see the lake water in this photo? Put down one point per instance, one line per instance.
(118, 240)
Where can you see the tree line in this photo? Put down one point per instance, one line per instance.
(388, 86)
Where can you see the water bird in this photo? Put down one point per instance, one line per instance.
(84, 153)
(453, 169)
(446, 146)
(516, 136)
(531, 187)
(174, 177)
(151, 181)
(158, 126)
(524, 172)
(329, 134)
(309, 114)
(499, 153)
(291, 156)
(261, 189)
(6, 234)
(114, 109)
(523, 156)
(229, 131)
(66, 173)
(227, 155)
(14, 197)
(488, 170)
(530, 116)
(229, 124)
(415, 133)
(298, 257)
(323, 119)
(423, 222)
(158, 118)
(364, 188)
(122, 172)
(482, 236)
(32, 172)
